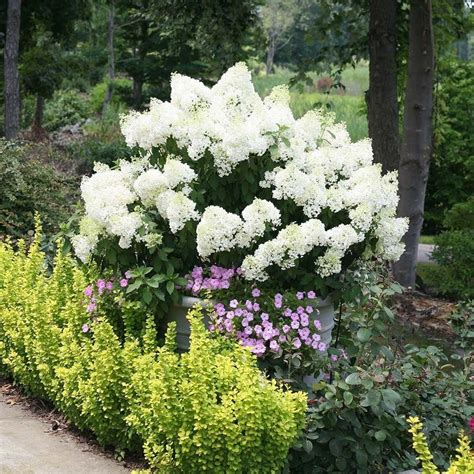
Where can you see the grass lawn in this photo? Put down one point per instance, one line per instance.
(427, 239)
(348, 107)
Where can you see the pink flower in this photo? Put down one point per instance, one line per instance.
(91, 307)
(295, 324)
(300, 295)
(128, 274)
(334, 358)
(255, 292)
(274, 346)
(286, 328)
(296, 343)
(88, 291)
(309, 309)
(101, 284)
(109, 285)
(234, 304)
(322, 346)
(256, 307)
(311, 295)
(123, 282)
(317, 324)
(471, 424)
(85, 328)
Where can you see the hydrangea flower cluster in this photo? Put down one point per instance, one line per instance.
(309, 162)
(201, 280)
(272, 326)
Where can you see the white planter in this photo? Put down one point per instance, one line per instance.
(325, 315)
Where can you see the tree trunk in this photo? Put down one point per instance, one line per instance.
(270, 54)
(39, 113)
(417, 134)
(137, 92)
(381, 97)
(11, 76)
(110, 49)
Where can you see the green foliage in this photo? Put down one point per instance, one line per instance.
(93, 150)
(453, 275)
(211, 409)
(356, 421)
(122, 94)
(66, 107)
(452, 171)
(463, 463)
(29, 182)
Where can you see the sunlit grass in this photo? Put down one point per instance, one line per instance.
(348, 107)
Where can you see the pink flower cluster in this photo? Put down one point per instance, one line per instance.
(96, 290)
(275, 330)
(216, 278)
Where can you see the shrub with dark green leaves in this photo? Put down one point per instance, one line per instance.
(453, 276)
(356, 417)
(66, 107)
(452, 170)
(30, 182)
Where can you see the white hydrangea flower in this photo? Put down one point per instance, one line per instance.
(177, 208)
(177, 172)
(315, 166)
(149, 185)
(84, 246)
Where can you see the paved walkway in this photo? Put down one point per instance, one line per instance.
(27, 448)
(424, 253)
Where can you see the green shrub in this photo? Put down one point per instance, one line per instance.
(66, 107)
(94, 150)
(210, 409)
(357, 421)
(30, 182)
(453, 275)
(452, 170)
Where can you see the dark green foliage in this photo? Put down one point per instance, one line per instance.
(93, 150)
(356, 423)
(452, 170)
(453, 274)
(29, 182)
(66, 107)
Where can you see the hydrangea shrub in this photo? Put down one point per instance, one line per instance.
(226, 177)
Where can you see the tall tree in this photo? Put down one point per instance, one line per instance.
(11, 76)
(382, 98)
(278, 17)
(111, 55)
(417, 134)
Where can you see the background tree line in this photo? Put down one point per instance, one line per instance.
(125, 50)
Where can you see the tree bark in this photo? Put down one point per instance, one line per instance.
(11, 76)
(137, 88)
(417, 134)
(270, 54)
(110, 49)
(39, 113)
(382, 96)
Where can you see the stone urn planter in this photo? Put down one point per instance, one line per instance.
(178, 312)
(325, 317)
